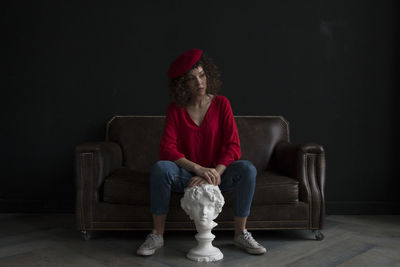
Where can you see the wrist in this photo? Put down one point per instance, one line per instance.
(220, 169)
(196, 169)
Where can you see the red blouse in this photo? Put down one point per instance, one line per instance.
(215, 141)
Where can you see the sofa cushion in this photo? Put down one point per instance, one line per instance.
(272, 188)
(126, 186)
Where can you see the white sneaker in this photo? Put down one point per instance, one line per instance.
(246, 241)
(151, 244)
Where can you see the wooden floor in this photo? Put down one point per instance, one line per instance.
(51, 240)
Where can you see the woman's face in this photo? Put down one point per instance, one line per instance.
(196, 81)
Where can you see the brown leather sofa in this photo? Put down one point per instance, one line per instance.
(112, 178)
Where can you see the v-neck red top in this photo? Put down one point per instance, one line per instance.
(215, 141)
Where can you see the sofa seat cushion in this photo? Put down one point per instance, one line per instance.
(272, 188)
(126, 186)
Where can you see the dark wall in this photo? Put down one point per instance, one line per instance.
(329, 67)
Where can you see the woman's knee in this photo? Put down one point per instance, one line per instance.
(162, 166)
(247, 169)
(161, 169)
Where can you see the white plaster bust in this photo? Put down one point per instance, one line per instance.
(203, 204)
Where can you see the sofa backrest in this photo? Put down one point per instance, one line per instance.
(139, 138)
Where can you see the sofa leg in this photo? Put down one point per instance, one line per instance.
(86, 235)
(318, 235)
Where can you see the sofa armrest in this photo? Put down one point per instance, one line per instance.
(305, 162)
(99, 158)
(93, 162)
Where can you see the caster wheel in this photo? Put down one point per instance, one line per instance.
(86, 235)
(318, 235)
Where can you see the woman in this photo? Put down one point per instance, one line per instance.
(200, 144)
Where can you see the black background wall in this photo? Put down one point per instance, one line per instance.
(329, 67)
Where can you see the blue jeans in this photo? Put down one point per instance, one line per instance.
(166, 176)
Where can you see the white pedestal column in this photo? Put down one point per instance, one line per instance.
(205, 251)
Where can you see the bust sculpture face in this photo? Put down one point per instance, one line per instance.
(203, 212)
(203, 203)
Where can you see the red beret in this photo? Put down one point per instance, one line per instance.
(184, 63)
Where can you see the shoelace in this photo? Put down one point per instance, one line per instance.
(151, 238)
(249, 238)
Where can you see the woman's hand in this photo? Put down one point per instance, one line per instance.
(196, 180)
(211, 175)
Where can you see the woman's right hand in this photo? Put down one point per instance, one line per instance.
(211, 175)
(196, 180)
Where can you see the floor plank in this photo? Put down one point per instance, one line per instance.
(51, 240)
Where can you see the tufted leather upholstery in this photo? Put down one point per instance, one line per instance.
(113, 186)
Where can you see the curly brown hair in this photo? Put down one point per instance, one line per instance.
(181, 95)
